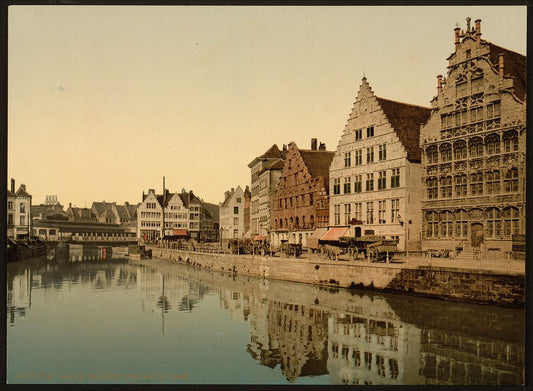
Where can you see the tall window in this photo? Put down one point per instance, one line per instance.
(494, 223)
(358, 157)
(476, 183)
(446, 152)
(381, 212)
(510, 141)
(369, 182)
(446, 187)
(370, 131)
(432, 228)
(10, 205)
(432, 155)
(493, 110)
(347, 213)
(395, 178)
(358, 134)
(382, 180)
(493, 182)
(395, 209)
(460, 185)
(347, 185)
(510, 182)
(370, 155)
(476, 114)
(22, 220)
(382, 154)
(446, 224)
(492, 143)
(10, 219)
(461, 85)
(510, 221)
(337, 186)
(357, 186)
(370, 212)
(476, 147)
(459, 150)
(347, 159)
(433, 188)
(358, 211)
(461, 223)
(337, 214)
(236, 210)
(22, 208)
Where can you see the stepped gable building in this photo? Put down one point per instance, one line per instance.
(265, 171)
(473, 150)
(375, 173)
(300, 203)
(18, 212)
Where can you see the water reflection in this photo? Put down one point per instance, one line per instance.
(351, 338)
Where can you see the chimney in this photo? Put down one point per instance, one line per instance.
(70, 204)
(12, 185)
(478, 30)
(500, 65)
(164, 192)
(439, 85)
(313, 144)
(322, 147)
(284, 147)
(23, 186)
(457, 33)
(126, 203)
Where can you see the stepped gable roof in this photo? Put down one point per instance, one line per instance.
(22, 192)
(272, 153)
(317, 162)
(406, 119)
(227, 197)
(184, 199)
(514, 64)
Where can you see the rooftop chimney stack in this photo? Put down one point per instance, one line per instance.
(322, 147)
(478, 30)
(12, 185)
(23, 186)
(313, 144)
(439, 85)
(457, 34)
(500, 65)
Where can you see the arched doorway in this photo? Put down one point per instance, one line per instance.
(476, 234)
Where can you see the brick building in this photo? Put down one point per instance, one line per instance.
(473, 160)
(300, 203)
(375, 175)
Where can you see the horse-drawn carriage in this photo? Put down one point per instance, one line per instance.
(373, 247)
(291, 249)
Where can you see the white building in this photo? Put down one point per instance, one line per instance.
(18, 212)
(232, 214)
(375, 173)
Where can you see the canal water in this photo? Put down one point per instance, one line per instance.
(153, 322)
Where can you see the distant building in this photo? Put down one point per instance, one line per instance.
(265, 172)
(300, 202)
(82, 232)
(232, 214)
(375, 184)
(474, 150)
(18, 212)
(210, 225)
(50, 207)
(111, 213)
(81, 215)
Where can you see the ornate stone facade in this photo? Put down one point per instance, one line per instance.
(473, 149)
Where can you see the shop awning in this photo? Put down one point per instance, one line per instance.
(179, 232)
(335, 233)
(312, 241)
(259, 237)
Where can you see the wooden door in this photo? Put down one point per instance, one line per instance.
(476, 235)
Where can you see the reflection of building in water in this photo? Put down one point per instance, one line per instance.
(237, 303)
(448, 358)
(19, 294)
(372, 348)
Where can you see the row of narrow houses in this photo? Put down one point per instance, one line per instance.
(442, 177)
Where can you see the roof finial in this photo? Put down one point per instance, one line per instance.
(468, 24)
(364, 75)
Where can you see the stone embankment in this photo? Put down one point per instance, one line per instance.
(481, 286)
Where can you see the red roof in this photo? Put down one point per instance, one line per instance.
(335, 233)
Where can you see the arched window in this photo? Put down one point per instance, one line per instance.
(493, 182)
(432, 154)
(510, 141)
(459, 150)
(461, 223)
(476, 147)
(461, 85)
(446, 152)
(476, 183)
(446, 187)
(297, 222)
(494, 223)
(460, 185)
(492, 144)
(432, 188)
(510, 182)
(476, 81)
(446, 224)
(432, 229)
(510, 221)
(303, 221)
(312, 221)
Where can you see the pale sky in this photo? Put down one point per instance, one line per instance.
(104, 101)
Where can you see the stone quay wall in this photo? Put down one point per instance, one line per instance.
(447, 283)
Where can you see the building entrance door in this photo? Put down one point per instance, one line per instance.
(476, 236)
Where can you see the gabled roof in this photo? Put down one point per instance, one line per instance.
(406, 120)
(272, 153)
(108, 214)
(212, 209)
(10, 194)
(101, 207)
(184, 199)
(317, 162)
(122, 212)
(132, 210)
(22, 193)
(514, 64)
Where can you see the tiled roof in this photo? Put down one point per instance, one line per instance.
(272, 153)
(22, 193)
(213, 210)
(101, 207)
(317, 162)
(514, 64)
(10, 194)
(184, 199)
(405, 120)
(132, 210)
